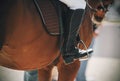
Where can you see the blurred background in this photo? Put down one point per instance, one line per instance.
(104, 64)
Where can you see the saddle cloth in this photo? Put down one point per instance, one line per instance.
(53, 16)
(49, 16)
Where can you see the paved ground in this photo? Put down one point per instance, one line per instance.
(10, 75)
(104, 65)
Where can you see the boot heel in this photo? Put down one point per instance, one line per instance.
(68, 60)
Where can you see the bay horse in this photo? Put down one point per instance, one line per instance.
(25, 45)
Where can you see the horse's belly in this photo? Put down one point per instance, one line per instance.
(28, 57)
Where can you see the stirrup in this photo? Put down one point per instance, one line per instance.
(87, 52)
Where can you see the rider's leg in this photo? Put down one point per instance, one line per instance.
(70, 53)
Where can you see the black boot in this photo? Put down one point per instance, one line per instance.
(70, 53)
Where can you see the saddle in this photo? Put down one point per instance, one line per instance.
(54, 15)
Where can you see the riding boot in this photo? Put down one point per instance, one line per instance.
(70, 52)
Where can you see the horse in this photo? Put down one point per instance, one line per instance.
(25, 45)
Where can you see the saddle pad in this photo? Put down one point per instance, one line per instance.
(49, 16)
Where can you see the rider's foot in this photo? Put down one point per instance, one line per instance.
(87, 52)
(68, 59)
(77, 54)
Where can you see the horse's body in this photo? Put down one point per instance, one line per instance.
(26, 45)
(26, 41)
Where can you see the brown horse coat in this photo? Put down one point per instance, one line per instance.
(26, 45)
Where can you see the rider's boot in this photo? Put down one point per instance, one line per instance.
(70, 52)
